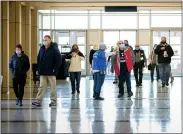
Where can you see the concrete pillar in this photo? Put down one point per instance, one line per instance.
(28, 37)
(18, 31)
(23, 26)
(5, 44)
(34, 33)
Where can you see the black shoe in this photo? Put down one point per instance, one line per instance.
(36, 104)
(20, 103)
(152, 81)
(167, 84)
(73, 93)
(99, 98)
(130, 94)
(52, 104)
(78, 91)
(163, 85)
(94, 94)
(120, 95)
(17, 101)
(115, 82)
(140, 85)
(137, 85)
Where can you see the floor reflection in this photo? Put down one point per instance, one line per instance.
(152, 109)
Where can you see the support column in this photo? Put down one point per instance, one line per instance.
(12, 32)
(28, 37)
(5, 44)
(23, 26)
(18, 31)
(34, 37)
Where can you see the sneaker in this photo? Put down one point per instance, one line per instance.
(52, 104)
(130, 94)
(20, 103)
(120, 95)
(17, 101)
(36, 104)
(99, 98)
(163, 85)
(172, 79)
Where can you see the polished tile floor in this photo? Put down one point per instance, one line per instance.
(152, 109)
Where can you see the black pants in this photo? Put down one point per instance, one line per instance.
(157, 72)
(124, 76)
(75, 78)
(18, 85)
(138, 73)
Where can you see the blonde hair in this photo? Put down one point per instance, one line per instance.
(95, 47)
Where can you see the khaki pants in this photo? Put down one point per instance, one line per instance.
(44, 80)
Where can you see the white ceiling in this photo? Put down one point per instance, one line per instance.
(109, 0)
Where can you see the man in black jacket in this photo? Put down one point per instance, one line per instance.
(164, 52)
(19, 65)
(140, 63)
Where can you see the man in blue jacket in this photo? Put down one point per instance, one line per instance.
(48, 61)
(99, 65)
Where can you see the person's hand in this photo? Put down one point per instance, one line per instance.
(74, 54)
(37, 73)
(162, 48)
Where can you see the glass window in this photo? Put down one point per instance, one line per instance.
(94, 11)
(119, 22)
(95, 22)
(75, 12)
(63, 40)
(144, 21)
(157, 36)
(130, 36)
(144, 11)
(167, 12)
(81, 40)
(111, 37)
(166, 20)
(40, 21)
(46, 33)
(175, 37)
(71, 22)
(44, 11)
(46, 22)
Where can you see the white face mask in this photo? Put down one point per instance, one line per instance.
(122, 46)
(45, 43)
(18, 51)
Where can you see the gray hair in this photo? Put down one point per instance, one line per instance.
(102, 46)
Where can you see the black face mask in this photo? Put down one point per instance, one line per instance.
(163, 42)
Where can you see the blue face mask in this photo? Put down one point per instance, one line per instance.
(137, 48)
(18, 52)
(45, 43)
(122, 46)
(126, 45)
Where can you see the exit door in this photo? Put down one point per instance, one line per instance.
(69, 38)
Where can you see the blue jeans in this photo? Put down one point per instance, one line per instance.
(164, 71)
(124, 76)
(98, 82)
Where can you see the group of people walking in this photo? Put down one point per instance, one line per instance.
(49, 60)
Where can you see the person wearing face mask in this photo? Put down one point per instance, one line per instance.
(75, 57)
(153, 59)
(48, 61)
(140, 63)
(121, 67)
(99, 65)
(164, 52)
(19, 65)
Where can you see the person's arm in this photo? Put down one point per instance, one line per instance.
(81, 54)
(133, 56)
(90, 57)
(57, 59)
(145, 60)
(158, 50)
(11, 64)
(26, 66)
(170, 51)
(107, 54)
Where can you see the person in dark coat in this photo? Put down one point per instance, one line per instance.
(48, 61)
(19, 65)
